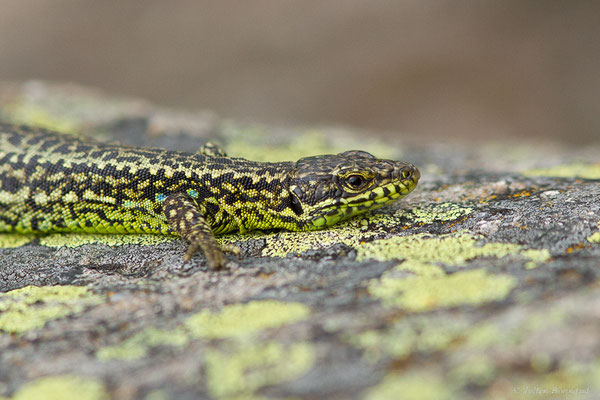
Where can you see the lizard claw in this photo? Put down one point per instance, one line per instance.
(215, 259)
(230, 248)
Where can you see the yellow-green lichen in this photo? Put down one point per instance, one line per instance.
(243, 370)
(32, 114)
(485, 334)
(489, 334)
(245, 319)
(421, 334)
(594, 237)
(68, 109)
(282, 244)
(536, 257)
(73, 240)
(437, 212)
(413, 385)
(29, 308)
(451, 249)
(139, 344)
(417, 293)
(256, 143)
(306, 145)
(557, 384)
(541, 362)
(12, 240)
(424, 214)
(237, 321)
(354, 232)
(420, 268)
(477, 369)
(62, 387)
(575, 170)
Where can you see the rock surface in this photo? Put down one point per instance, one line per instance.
(483, 283)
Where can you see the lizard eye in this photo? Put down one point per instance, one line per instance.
(355, 181)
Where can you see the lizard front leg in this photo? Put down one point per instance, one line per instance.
(186, 217)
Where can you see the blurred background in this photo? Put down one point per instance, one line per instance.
(458, 70)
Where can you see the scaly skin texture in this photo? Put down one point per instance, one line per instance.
(51, 182)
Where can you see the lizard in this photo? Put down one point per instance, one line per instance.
(56, 182)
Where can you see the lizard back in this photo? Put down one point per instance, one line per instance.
(56, 182)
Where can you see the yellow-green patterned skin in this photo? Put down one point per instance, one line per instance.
(52, 182)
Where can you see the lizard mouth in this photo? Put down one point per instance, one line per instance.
(343, 209)
(382, 194)
(395, 188)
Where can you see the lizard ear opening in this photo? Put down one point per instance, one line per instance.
(295, 205)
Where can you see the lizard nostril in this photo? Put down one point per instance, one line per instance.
(416, 174)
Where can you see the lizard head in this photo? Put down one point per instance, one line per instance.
(330, 188)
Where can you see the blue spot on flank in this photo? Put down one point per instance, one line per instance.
(193, 193)
(161, 197)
